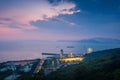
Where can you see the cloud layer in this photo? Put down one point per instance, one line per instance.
(41, 10)
(17, 16)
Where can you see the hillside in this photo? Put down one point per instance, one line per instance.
(101, 65)
(95, 40)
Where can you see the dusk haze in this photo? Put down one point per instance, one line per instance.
(59, 39)
(59, 19)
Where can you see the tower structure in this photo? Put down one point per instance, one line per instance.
(62, 52)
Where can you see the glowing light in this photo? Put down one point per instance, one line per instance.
(89, 50)
(70, 59)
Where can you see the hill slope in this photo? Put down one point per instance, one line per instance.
(95, 40)
(101, 65)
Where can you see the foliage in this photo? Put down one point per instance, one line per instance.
(5, 74)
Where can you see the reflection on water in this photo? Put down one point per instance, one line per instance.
(33, 49)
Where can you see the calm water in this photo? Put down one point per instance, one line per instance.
(33, 49)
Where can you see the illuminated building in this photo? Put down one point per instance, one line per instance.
(70, 59)
(58, 60)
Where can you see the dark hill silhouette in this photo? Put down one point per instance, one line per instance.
(95, 40)
(100, 65)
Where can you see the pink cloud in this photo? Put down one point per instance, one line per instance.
(21, 16)
(65, 21)
(7, 33)
(12, 24)
(39, 11)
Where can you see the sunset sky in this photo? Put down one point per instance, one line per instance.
(59, 19)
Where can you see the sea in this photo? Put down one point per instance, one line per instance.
(25, 50)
